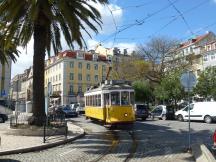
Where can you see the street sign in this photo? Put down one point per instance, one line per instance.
(188, 80)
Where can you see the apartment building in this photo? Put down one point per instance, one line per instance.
(209, 54)
(71, 73)
(190, 54)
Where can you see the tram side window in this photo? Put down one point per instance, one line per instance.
(99, 100)
(125, 98)
(115, 98)
(106, 99)
(132, 98)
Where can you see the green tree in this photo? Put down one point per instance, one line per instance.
(143, 91)
(46, 21)
(130, 68)
(206, 86)
(170, 88)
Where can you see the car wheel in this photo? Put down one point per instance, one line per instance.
(208, 119)
(2, 120)
(180, 118)
(164, 117)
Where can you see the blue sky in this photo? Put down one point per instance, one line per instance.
(161, 19)
(197, 13)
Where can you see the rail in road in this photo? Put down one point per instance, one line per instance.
(116, 141)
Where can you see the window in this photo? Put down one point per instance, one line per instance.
(96, 78)
(98, 100)
(79, 76)
(124, 98)
(88, 66)
(96, 67)
(79, 88)
(71, 76)
(88, 77)
(190, 106)
(59, 66)
(56, 77)
(80, 65)
(205, 58)
(115, 98)
(53, 79)
(71, 89)
(71, 64)
(106, 99)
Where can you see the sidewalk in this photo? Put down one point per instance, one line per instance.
(11, 144)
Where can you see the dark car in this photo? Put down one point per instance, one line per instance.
(141, 111)
(66, 111)
(3, 118)
(163, 112)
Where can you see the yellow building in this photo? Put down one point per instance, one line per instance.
(71, 73)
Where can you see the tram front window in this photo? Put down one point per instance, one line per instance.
(115, 98)
(125, 98)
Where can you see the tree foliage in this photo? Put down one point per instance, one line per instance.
(170, 87)
(206, 86)
(46, 21)
(157, 52)
(130, 68)
(143, 91)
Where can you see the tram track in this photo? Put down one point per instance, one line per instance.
(116, 141)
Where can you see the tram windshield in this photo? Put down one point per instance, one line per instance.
(115, 98)
(124, 98)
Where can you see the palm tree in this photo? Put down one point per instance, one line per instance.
(46, 21)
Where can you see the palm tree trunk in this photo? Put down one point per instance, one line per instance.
(38, 75)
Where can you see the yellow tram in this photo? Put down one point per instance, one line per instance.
(111, 102)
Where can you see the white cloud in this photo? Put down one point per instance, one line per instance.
(26, 56)
(24, 60)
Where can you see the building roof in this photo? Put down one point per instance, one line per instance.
(193, 40)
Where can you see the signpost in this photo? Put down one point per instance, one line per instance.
(49, 92)
(188, 81)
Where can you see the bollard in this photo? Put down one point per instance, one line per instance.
(214, 140)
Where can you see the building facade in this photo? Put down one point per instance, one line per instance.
(71, 73)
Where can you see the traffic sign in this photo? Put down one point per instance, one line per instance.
(188, 80)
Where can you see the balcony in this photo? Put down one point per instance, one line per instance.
(56, 94)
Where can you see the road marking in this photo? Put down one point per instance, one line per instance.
(67, 152)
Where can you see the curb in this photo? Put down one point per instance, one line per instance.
(43, 147)
(202, 154)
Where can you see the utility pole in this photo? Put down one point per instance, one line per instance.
(16, 108)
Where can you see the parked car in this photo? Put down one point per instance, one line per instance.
(141, 111)
(79, 107)
(3, 118)
(163, 112)
(67, 111)
(204, 111)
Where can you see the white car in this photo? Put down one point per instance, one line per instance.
(205, 111)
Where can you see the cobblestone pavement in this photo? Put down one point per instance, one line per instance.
(150, 141)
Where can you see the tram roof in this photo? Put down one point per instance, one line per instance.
(112, 85)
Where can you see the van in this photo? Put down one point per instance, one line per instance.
(203, 111)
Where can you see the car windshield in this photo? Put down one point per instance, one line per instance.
(139, 107)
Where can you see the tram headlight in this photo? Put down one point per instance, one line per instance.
(125, 114)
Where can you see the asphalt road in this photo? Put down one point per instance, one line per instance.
(148, 141)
